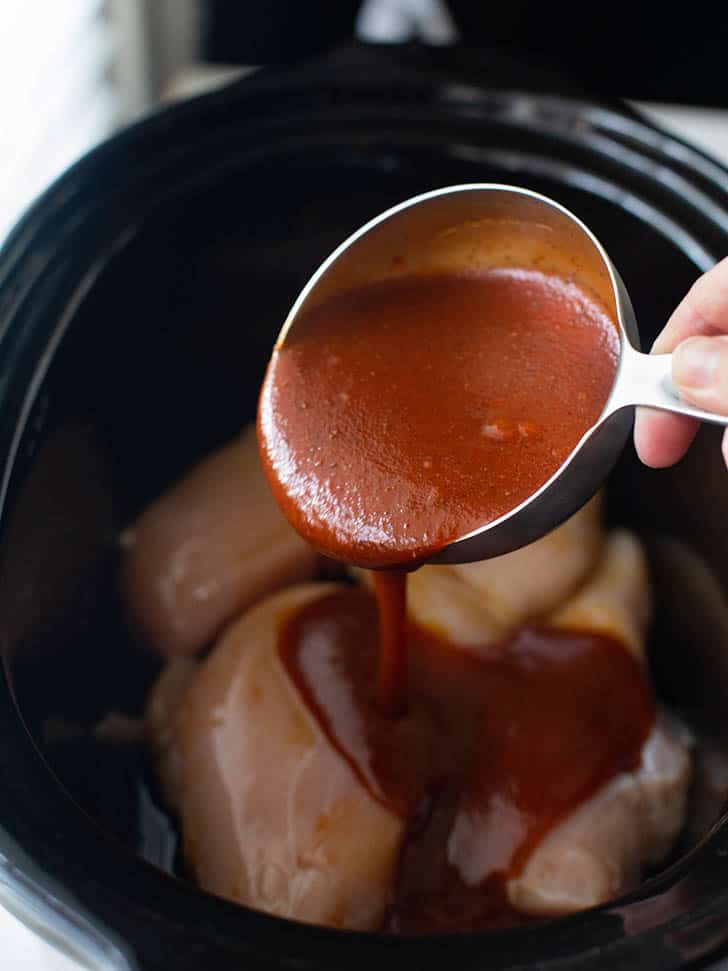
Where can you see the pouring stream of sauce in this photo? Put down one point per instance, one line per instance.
(394, 419)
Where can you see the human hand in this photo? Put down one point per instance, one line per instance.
(697, 334)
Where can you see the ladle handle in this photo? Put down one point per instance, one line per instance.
(646, 379)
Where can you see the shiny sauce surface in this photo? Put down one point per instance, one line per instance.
(404, 414)
(393, 419)
(494, 747)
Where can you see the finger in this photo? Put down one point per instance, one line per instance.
(703, 311)
(700, 372)
(662, 439)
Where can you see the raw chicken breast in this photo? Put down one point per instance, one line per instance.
(208, 549)
(600, 850)
(160, 720)
(272, 816)
(615, 600)
(481, 603)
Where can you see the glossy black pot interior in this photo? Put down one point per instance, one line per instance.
(138, 303)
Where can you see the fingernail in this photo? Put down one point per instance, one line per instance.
(695, 362)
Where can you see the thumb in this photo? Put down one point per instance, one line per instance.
(700, 372)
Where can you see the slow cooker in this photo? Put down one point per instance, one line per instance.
(139, 298)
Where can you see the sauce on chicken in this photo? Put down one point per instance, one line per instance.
(496, 745)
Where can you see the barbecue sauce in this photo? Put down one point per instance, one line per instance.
(495, 747)
(394, 419)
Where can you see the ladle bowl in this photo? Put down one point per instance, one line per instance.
(481, 225)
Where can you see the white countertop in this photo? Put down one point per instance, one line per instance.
(20, 948)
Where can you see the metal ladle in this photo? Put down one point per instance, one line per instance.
(485, 225)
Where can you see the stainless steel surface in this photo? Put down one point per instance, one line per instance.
(646, 379)
(486, 224)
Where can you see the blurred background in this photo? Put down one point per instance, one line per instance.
(72, 71)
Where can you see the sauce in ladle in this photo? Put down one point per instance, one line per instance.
(394, 419)
(400, 416)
